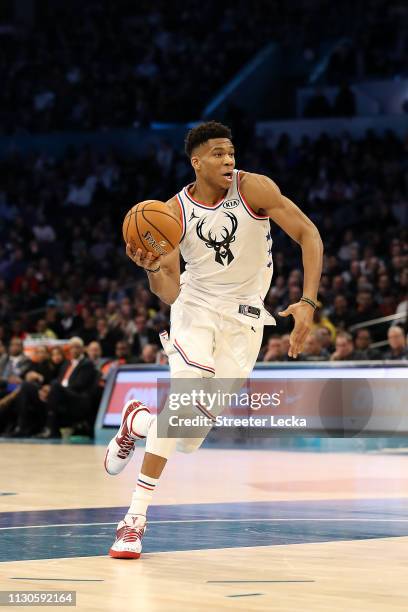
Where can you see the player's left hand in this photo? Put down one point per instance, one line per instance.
(303, 315)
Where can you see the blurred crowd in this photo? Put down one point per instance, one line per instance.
(64, 276)
(64, 273)
(376, 44)
(343, 105)
(97, 64)
(63, 270)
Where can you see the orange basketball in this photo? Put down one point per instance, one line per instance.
(151, 226)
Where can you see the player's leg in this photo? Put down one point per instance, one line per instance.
(190, 352)
(236, 350)
(160, 445)
(130, 531)
(138, 423)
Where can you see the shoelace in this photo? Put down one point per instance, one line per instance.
(131, 534)
(126, 445)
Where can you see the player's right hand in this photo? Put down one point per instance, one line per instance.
(303, 315)
(146, 261)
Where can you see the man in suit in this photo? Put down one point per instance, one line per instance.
(14, 366)
(70, 397)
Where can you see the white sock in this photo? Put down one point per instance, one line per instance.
(142, 495)
(139, 421)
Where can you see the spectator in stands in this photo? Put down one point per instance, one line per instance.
(58, 359)
(41, 368)
(322, 320)
(273, 350)
(313, 350)
(43, 330)
(340, 313)
(326, 339)
(149, 353)
(349, 243)
(122, 357)
(88, 332)
(3, 355)
(94, 352)
(143, 336)
(161, 358)
(70, 398)
(52, 318)
(108, 336)
(43, 231)
(142, 84)
(14, 367)
(70, 321)
(126, 324)
(362, 341)
(397, 343)
(366, 309)
(402, 309)
(345, 349)
(285, 343)
(72, 281)
(158, 324)
(30, 401)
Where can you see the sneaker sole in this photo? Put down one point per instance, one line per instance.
(124, 554)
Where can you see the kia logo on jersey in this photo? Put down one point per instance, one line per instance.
(231, 204)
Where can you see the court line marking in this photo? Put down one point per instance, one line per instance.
(245, 595)
(244, 520)
(60, 579)
(254, 581)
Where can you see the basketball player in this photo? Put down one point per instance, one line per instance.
(217, 313)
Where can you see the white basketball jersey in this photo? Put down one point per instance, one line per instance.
(227, 249)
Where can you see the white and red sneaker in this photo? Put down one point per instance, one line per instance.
(121, 448)
(129, 535)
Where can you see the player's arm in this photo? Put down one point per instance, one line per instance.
(266, 199)
(163, 272)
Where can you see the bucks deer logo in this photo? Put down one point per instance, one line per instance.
(220, 244)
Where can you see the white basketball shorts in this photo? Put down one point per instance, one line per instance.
(210, 343)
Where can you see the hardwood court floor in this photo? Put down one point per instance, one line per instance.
(229, 529)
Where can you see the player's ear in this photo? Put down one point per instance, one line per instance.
(195, 162)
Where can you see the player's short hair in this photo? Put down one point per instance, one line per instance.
(203, 132)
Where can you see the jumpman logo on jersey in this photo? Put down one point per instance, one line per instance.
(193, 216)
(220, 246)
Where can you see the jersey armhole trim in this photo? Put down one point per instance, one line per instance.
(182, 216)
(250, 211)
